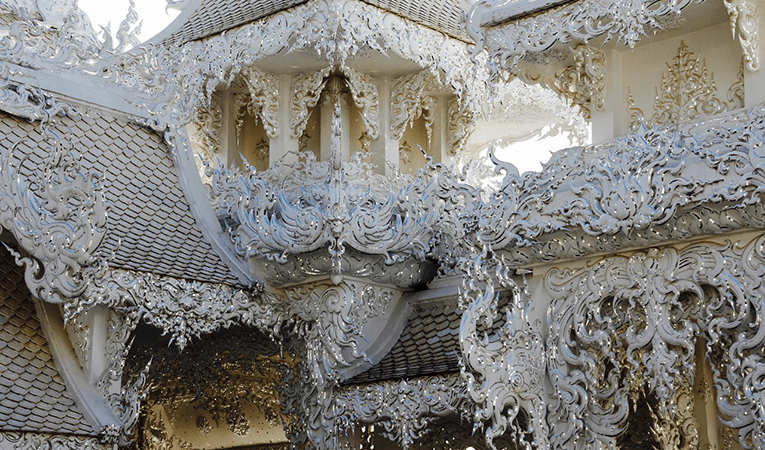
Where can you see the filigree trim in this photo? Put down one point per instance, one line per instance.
(644, 181)
(584, 82)
(264, 100)
(57, 215)
(575, 21)
(364, 92)
(306, 92)
(408, 102)
(744, 18)
(631, 322)
(504, 367)
(405, 409)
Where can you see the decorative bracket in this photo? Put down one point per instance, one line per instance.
(744, 24)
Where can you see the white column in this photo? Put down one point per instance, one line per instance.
(612, 120)
(284, 147)
(385, 147)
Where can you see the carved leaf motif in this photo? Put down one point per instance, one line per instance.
(631, 322)
(264, 96)
(504, 375)
(626, 22)
(57, 215)
(364, 92)
(306, 91)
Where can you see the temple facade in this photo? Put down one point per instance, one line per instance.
(307, 225)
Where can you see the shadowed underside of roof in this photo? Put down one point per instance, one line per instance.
(428, 345)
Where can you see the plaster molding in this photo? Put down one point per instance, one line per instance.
(364, 92)
(503, 364)
(641, 294)
(264, 99)
(306, 91)
(57, 214)
(744, 25)
(584, 83)
(404, 409)
(687, 74)
(35, 441)
(573, 22)
(651, 186)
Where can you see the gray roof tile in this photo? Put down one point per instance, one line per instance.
(31, 384)
(428, 345)
(140, 179)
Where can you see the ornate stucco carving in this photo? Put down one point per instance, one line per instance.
(306, 92)
(181, 309)
(57, 213)
(408, 102)
(505, 376)
(687, 92)
(744, 17)
(584, 82)
(631, 322)
(461, 125)
(208, 123)
(35, 441)
(264, 99)
(364, 92)
(645, 181)
(404, 409)
(576, 21)
(274, 214)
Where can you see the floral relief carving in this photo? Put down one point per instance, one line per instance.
(461, 126)
(208, 123)
(584, 82)
(687, 92)
(744, 17)
(404, 409)
(364, 92)
(408, 102)
(644, 180)
(306, 92)
(34, 441)
(264, 99)
(505, 375)
(569, 22)
(631, 321)
(58, 213)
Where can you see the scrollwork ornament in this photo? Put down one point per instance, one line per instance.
(405, 409)
(181, 309)
(744, 17)
(57, 214)
(264, 96)
(584, 82)
(35, 441)
(306, 92)
(631, 322)
(364, 93)
(505, 377)
(578, 21)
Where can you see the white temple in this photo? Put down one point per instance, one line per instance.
(302, 225)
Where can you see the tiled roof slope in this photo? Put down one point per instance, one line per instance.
(215, 16)
(33, 397)
(149, 226)
(428, 345)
